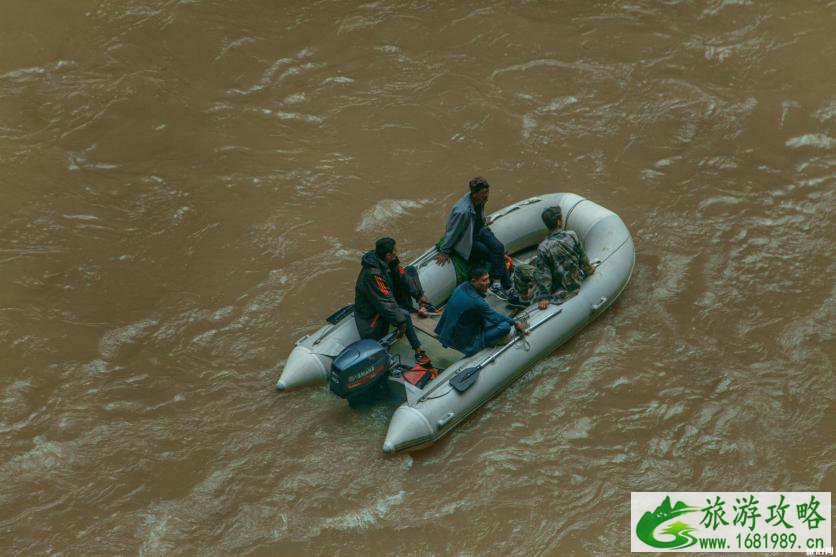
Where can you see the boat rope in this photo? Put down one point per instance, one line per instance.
(601, 261)
(445, 393)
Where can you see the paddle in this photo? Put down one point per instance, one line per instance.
(465, 378)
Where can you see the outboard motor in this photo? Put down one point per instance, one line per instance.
(360, 368)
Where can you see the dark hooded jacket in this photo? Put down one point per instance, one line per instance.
(375, 306)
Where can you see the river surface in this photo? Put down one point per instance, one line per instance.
(186, 188)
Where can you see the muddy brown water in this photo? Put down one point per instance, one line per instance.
(186, 187)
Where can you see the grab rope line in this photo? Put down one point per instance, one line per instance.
(491, 357)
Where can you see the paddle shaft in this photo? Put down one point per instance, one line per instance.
(496, 354)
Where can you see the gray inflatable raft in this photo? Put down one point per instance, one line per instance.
(430, 413)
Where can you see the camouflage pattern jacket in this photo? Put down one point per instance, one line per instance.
(560, 266)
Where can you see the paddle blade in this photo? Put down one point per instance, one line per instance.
(465, 379)
(338, 315)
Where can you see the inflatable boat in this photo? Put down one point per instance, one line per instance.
(466, 383)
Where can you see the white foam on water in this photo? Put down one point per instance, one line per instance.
(579, 429)
(156, 527)
(17, 389)
(366, 517)
(180, 213)
(719, 200)
(826, 113)
(96, 366)
(385, 211)
(223, 106)
(816, 140)
(544, 388)
(407, 462)
(167, 524)
(24, 74)
(311, 118)
(222, 314)
(560, 103)
(672, 274)
(529, 123)
(115, 340)
(338, 79)
(525, 66)
(205, 338)
(715, 10)
(15, 409)
(721, 163)
(233, 45)
(125, 406)
(530, 119)
(298, 70)
(266, 78)
(295, 98)
(786, 107)
(44, 456)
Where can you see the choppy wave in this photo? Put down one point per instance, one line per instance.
(189, 187)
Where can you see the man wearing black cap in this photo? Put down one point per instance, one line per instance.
(468, 235)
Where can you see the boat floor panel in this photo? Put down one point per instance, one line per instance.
(441, 357)
(425, 324)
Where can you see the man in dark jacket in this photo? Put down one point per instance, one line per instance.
(468, 235)
(376, 296)
(469, 323)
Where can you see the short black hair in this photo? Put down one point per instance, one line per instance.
(384, 246)
(478, 184)
(552, 217)
(477, 271)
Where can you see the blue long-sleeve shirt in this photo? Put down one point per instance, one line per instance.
(462, 227)
(467, 314)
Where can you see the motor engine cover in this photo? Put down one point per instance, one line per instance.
(358, 368)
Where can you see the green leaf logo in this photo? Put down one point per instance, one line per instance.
(680, 531)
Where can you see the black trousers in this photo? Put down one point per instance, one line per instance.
(406, 288)
(487, 248)
(381, 329)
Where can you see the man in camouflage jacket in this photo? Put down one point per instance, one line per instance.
(559, 267)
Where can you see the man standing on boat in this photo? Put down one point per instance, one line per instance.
(468, 235)
(559, 268)
(469, 323)
(375, 304)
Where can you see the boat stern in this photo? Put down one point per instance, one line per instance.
(408, 429)
(303, 368)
